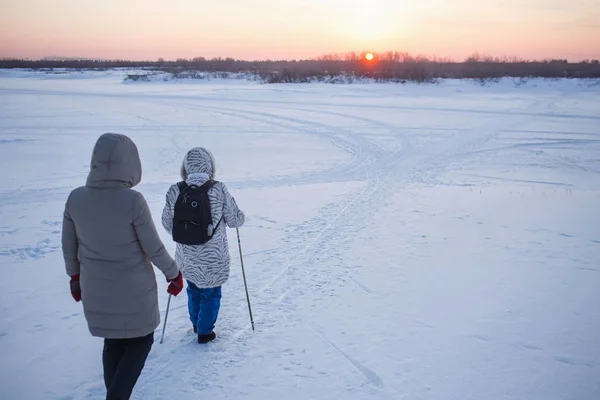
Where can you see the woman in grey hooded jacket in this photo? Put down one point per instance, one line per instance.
(109, 243)
(205, 266)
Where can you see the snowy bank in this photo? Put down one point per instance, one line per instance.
(151, 75)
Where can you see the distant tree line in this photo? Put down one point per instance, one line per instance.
(387, 66)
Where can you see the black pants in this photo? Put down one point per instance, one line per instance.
(123, 361)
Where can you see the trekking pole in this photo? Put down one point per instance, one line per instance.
(166, 316)
(244, 275)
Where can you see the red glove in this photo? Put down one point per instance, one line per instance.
(75, 288)
(176, 285)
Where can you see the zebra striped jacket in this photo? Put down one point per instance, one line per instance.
(207, 265)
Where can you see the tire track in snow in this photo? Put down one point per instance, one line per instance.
(211, 99)
(312, 243)
(454, 149)
(362, 152)
(371, 377)
(475, 137)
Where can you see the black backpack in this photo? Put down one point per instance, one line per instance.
(192, 215)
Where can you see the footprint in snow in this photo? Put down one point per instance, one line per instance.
(36, 251)
(422, 324)
(481, 338)
(7, 141)
(51, 223)
(570, 361)
(37, 328)
(5, 231)
(530, 347)
(588, 269)
(265, 219)
(565, 235)
(71, 316)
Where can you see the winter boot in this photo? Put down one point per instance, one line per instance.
(206, 338)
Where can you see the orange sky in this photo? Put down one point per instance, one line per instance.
(287, 29)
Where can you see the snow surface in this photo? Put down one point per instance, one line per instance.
(403, 241)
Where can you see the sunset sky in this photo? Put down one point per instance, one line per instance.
(294, 29)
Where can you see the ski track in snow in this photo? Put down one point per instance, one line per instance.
(304, 274)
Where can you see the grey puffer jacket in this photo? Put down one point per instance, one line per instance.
(109, 239)
(206, 266)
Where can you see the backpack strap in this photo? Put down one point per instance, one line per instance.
(217, 226)
(182, 186)
(208, 184)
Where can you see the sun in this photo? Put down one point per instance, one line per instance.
(369, 56)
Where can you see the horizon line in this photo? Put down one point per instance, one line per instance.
(362, 53)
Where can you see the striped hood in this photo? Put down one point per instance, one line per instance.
(198, 161)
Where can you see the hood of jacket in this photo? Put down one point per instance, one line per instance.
(198, 161)
(115, 162)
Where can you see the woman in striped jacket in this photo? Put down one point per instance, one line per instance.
(206, 266)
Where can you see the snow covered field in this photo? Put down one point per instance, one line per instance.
(403, 241)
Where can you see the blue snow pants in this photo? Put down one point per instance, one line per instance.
(203, 305)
